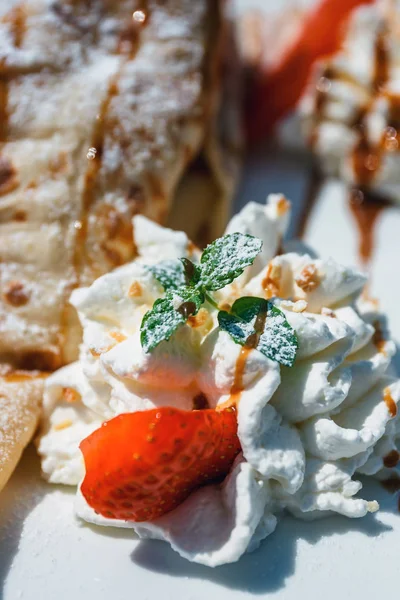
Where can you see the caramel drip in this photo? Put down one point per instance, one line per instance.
(250, 344)
(271, 282)
(392, 459)
(3, 108)
(237, 387)
(17, 19)
(378, 338)
(367, 156)
(94, 165)
(381, 72)
(392, 484)
(390, 403)
(366, 209)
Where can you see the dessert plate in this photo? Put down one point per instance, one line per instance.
(45, 553)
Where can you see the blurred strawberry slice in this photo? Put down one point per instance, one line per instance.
(281, 48)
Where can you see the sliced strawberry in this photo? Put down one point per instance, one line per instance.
(276, 92)
(142, 465)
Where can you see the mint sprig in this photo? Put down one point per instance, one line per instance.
(251, 322)
(160, 323)
(257, 323)
(188, 285)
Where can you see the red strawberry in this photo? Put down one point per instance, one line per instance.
(142, 465)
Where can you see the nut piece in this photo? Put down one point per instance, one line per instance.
(283, 206)
(308, 280)
(135, 290)
(70, 395)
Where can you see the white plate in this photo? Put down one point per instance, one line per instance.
(45, 554)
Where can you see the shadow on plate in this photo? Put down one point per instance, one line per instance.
(21, 495)
(267, 569)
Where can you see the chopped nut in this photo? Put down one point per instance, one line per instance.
(308, 280)
(70, 395)
(299, 306)
(283, 206)
(135, 290)
(117, 336)
(199, 319)
(63, 425)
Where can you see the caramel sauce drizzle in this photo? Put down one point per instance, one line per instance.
(392, 485)
(127, 46)
(366, 209)
(390, 403)
(378, 339)
(272, 280)
(94, 165)
(367, 158)
(240, 367)
(392, 459)
(129, 37)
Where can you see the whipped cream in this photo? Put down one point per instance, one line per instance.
(351, 109)
(305, 431)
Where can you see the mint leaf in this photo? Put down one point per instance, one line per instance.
(192, 272)
(279, 340)
(257, 323)
(160, 323)
(170, 273)
(167, 314)
(226, 258)
(173, 274)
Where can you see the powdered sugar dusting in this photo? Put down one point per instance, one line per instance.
(278, 341)
(57, 79)
(19, 412)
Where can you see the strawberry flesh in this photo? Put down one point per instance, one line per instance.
(142, 465)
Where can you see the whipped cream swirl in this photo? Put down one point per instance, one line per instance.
(352, 108)
(305, 431)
